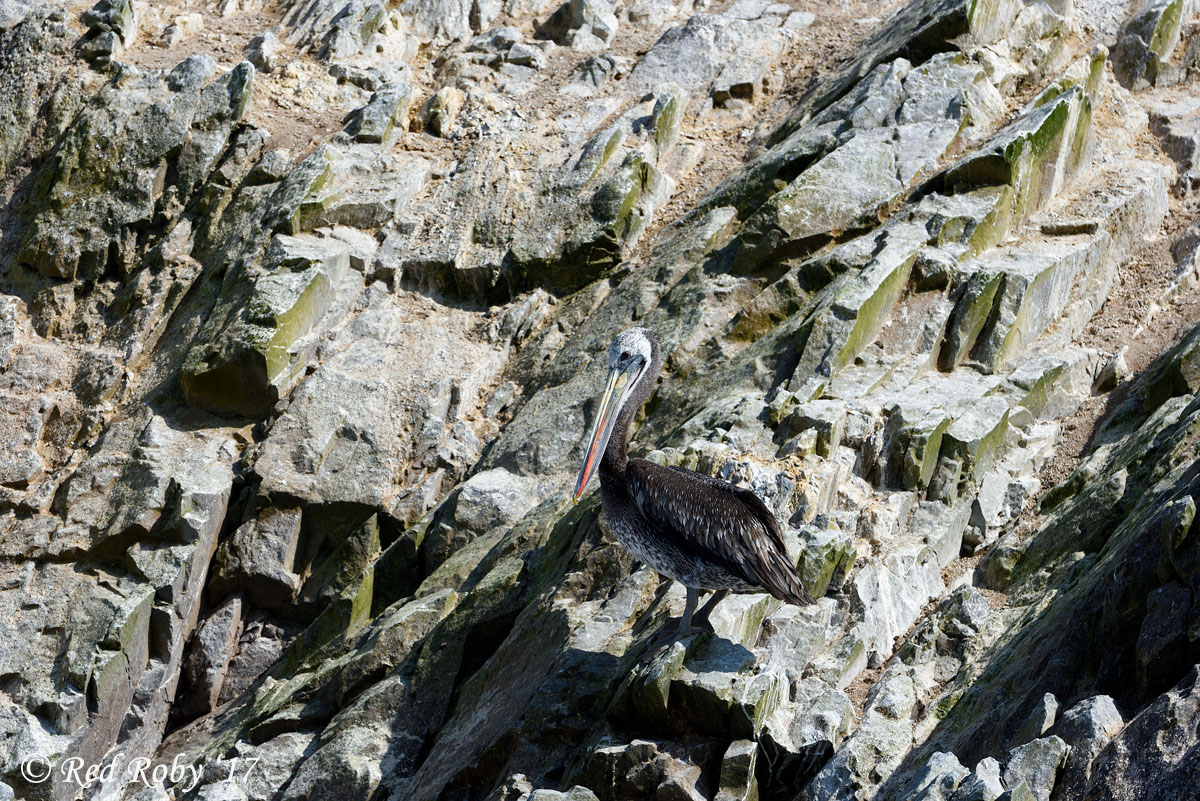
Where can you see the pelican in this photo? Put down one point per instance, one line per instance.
(701, 531)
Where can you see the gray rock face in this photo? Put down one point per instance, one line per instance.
(103, 180)
(982, 785)
(494, 498)
(581, 24)
(264, 52)
(260, 559)
(1147, 753)
(112, 25)
(211, 651)
(449, 19)
(297, 357)
(1036, 764)
(1087, 727)
(939, 780)
(1176, 124)
(256, 346)
(1147, 39)
(354, 435)
(698, 57)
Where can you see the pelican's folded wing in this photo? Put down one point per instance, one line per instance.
(723, 523)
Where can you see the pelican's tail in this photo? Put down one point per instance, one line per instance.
(784, 582)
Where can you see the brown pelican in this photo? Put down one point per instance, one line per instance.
(703, 532)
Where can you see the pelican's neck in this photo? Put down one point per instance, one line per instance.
(614, 459)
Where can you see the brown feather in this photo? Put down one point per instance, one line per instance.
(727, 524)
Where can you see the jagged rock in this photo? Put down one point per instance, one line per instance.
(1141, 580)
(971, 314)
(696, 57)
(1146, 40)
(449, 19)
(351, 30)
(982, 785)
(1161, 648)
(171, 36)
(260, 559)
(1115, 370)
(581, 24)
(849, 320)
(351, 423)
(854, 181)
(877, 745)
(386, 109)
(211, 649)
(30, 44)
(918, 25)
(1041, 719)
(362, 246)
(1146, 753)
(442, 110)
(974, 438)
(587, 243)
(524, 55)
(1087, 727)
(422, 317)
(757, 9)
(383, 185)
(598, 70)
(161, 511)
(494, 498)
(1176, 125)
(14, 12)
(1033, 155)
(872, 164)
(738, 781)
(21, 429)
(712, 687)
(1037, 764)
(582, 220)
(825, 560)
(265, 52)
(798, 739)
(85, 211)
(1177, 374)
(112, 26)
(938, 780)
(272, 168)
(190, 23)
(255, 341)
(1020, 792)
(643, 767)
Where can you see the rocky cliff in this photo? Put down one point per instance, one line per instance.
(303, 308)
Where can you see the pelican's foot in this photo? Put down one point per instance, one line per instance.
(701, 619)
(667, 636)
(690, 623)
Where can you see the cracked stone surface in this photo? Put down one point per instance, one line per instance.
(301, 313)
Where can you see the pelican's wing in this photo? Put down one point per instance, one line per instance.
(723, 523)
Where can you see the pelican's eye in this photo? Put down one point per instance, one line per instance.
(625, 356)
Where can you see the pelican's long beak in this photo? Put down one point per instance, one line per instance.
(606, 418)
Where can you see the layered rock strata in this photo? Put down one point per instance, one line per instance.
(303, 308)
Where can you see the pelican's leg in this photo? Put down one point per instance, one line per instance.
(667, 635)
(689, 607)
(709, 605)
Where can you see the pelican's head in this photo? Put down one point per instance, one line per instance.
(630, 357)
